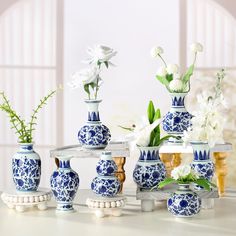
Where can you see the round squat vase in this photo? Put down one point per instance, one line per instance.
(184, 202)
(202, 163)
(178, 119)
(64, 184)
(149, 170)
(94, 135)
(26, 168)
(106, 184)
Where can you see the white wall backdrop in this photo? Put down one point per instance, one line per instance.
(132, 28)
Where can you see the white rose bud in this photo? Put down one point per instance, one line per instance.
(162, 71)
(172, 69)
(176, 85)
(155, 51)
(196, 47)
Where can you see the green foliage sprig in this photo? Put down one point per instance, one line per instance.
(24, 130)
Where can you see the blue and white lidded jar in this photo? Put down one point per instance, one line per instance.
(64, 184)
(184, 202)
(178, 119)
(94, 135)
(202, 163)
(149, 170)
(26, 168)
(106, 184)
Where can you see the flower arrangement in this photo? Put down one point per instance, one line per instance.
(23, 129)
(169, 75)
(185, 175)
(208, 121)
(90, 78)
(148, 133)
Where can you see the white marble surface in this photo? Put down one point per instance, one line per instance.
(219, 221)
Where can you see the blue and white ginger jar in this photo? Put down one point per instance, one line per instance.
(64, 184)
(94, 135)
(149, 170)
(202, 163)
(26, 168)
(106, 184)
(178, 119)
(184, 202)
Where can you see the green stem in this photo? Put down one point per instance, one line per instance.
(162, 60)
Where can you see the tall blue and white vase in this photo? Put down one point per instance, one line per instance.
(94, 135)
(149, 170)
(184, 202)
(202, 163)
(64, 184)
(178, 119)
(26, 168)
(106, 184)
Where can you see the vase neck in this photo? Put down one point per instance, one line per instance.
(106, 155)
(64, 163)
(26, 147)
(183, 187)
(149, 154)
(93, 113)
(178, 99)
(201, 151)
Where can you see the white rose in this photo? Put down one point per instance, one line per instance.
(155, 51)
(100, 53)
(176, 85)
(175, 174)
(172, 69)
(162, 71)
(196, 47)
(84, 76)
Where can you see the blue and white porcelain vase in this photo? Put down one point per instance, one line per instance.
(64, 184)
(202, 163)
(184, 202)
(94, 135)
(178, 119)
(26, 168)
(106, 184)
(149, 170)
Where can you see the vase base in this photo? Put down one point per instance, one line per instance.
(94, 147)
(65, 207)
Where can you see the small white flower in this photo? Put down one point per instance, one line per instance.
(84, 76)
(155, 51)
(180, 172)
(196, 47)
(162, 71)
(176, 85)
(172, 69)
(100, 53)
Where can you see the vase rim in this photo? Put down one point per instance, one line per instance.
(63, 156)
(24, 144)
(176, 93)
(92, 100)
(148, 148)
(198, 142)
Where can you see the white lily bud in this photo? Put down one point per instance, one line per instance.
(196, 47)
(162, 71)
(155, 51)
(176, 85)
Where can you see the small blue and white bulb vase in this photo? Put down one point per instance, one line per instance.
(178, 119)
(106, 184)
(202, 163)
(184, 202)
(149, 170)
(26, 168)
(94, 135)
(64, 184)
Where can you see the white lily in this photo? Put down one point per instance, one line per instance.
(196, 47)
(172, 68)
(162, 71)
(156, 51)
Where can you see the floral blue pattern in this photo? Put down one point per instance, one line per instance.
(149, 170)
(26, 168)
(106, 184)
(64, 184)
(184, 202)
(178, 119)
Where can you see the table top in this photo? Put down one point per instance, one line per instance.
(218, 221)
(121, 149)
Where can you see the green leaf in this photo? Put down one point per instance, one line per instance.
(203, 183)
(151, 112)
(157, 114)
(167, 181)
(188, 74)
(106, 64)
(86, 89)
(126, 128)
(163, 80)
(169, 77)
